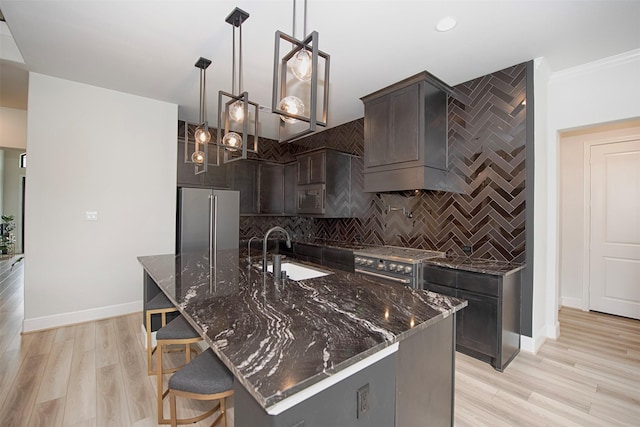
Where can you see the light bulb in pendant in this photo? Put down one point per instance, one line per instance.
(202, 135)
(197, 157)
(292, 105)
(301, 65)
(232, 141)
(236, 111)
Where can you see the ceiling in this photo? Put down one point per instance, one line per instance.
(149, 48)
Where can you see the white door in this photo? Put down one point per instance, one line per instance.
(615, 229)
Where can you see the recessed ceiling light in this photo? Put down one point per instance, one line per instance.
(446, 23)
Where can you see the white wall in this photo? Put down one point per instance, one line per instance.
(92, 149)
(13, 128)
(12, 190)
(573, 201)
(542, 74)
(599, 92)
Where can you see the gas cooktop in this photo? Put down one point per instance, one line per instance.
(397, 253)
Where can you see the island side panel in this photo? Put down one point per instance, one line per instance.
(511, 319)
(335, 406)
(425, 376)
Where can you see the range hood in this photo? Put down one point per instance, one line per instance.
(405, 137)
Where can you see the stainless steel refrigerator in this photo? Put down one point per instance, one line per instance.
(207, 220)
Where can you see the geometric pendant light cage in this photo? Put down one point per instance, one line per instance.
(201, 135)
(300, 83)
(237, 115)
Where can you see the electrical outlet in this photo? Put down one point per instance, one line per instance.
(363, 400)
(467, 250)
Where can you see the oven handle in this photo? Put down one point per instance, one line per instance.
(383, 276)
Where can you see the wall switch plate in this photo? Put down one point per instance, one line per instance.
(91, 216)
(363, 400)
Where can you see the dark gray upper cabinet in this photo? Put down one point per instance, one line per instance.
(290, 177)
(245, 180)
(215, 177)
(271, 188)
(326, 184)
(405, 136)
(392, 133)
(311, 168)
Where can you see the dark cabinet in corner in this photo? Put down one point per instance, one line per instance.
(405, 136)
(272, 188)
(489, 327)
(330, 184)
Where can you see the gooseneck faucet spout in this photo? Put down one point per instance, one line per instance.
(249, 250)
(264, 244)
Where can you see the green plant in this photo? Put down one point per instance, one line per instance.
(6, 235)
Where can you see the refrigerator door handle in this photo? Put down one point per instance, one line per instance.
(213, 229)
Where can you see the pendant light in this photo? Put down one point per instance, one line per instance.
(202, 135)
(234, 109)
(296, 77)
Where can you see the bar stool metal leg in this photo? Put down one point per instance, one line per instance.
(179, 332)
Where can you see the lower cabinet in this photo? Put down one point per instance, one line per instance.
(489, 327)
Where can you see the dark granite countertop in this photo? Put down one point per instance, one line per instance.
(280, 338)
(476, 265)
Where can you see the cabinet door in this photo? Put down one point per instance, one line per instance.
(271, 188)
(311, 168)
(477, 324)
(290, 172)
(303, 170)
(317, 167)
(376, 131)
(217, 176)
(405, 124)
(245, 180)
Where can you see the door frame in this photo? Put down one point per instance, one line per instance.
(593, 139)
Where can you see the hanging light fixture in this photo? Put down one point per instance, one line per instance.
(296, 76)
(235, 109)
(202, 135)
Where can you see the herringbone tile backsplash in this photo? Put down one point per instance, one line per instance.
(486, 149)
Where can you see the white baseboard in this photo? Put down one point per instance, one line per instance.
(64, 319)
(533, 344)
(571, 302)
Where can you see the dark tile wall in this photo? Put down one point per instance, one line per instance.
(486, 147)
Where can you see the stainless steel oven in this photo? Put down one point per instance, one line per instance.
(393, 263)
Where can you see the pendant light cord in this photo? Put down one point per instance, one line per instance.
(304, 28)
(203, 88)
(240, 63)
(233, 63)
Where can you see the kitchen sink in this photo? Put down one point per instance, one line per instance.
(297, 271)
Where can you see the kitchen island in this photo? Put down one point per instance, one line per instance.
(342, 349)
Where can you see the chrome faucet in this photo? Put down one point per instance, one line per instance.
(264, 244)
(249, 250)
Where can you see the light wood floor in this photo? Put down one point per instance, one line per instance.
(95, 374)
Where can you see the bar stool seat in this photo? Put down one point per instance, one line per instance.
(176, 332)
(204, 378)
(159, 305)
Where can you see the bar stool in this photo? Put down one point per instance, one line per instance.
(159, 305)
(205, 378)
(179, 332)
